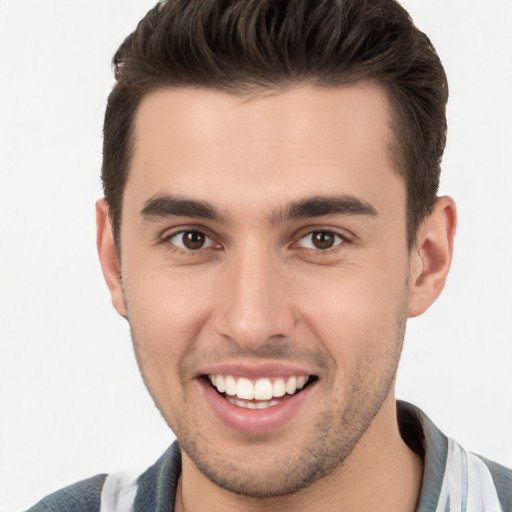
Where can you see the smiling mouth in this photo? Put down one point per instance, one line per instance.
(259, 393)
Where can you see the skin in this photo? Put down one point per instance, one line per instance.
(259, 292)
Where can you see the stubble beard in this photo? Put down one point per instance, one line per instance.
(327, 445)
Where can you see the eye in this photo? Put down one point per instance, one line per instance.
(320, 240)
(191, 240)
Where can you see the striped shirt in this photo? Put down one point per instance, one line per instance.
(454, 480)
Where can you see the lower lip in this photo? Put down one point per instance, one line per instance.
(255, 421)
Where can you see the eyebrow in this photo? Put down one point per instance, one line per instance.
(166, 205)
(321, 206)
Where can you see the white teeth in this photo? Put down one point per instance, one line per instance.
(252, 405)
(219, 383)
(291, 385)
(279, 388)
(245, 389)
(231, 386)
(262, 389)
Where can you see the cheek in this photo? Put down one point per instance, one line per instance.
(354, 310)
(166, 311)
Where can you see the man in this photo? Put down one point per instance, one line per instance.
(270, 221)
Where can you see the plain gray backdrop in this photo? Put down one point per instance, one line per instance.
(72, 403)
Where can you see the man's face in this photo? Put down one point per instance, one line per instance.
(263, 246)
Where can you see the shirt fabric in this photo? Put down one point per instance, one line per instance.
(454, 480)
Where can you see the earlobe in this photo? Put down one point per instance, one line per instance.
(107, 252)
(431, 256)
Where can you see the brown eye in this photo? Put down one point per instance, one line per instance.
(191, 240)
(321, 240)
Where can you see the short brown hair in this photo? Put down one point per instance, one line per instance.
(243, 46)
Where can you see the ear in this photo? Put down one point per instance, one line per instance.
(431, 256)
(109, 259)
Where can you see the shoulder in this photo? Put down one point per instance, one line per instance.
(502, 480)
(154, 490)
(83, 496)
(452, 476)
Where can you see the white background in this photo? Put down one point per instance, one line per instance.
(71, 401)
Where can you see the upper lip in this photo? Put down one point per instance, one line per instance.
(255, 370)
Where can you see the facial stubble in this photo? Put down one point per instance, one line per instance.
(327, 444)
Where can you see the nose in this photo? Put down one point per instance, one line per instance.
(254, 304)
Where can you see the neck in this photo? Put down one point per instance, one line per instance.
(381, 473)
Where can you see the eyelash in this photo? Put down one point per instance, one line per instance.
(340, 240)
(186, 251)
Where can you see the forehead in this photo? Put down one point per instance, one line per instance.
(304, 141)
